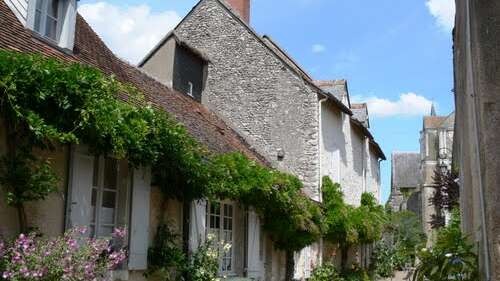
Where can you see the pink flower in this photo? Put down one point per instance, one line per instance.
(119, 233)
(7, 275)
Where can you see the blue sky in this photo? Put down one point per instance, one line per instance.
(396, 55)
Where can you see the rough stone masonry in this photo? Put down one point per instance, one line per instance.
(256, 92)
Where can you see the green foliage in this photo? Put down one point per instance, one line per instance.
(339, 228)
(326, 272)
(292, 219)
(45, 103)
(451, 258)
(383, 260)
(357, 275)
(347, 225)
(166, 259)
(204, 263)
(408, 236)
(24, 179)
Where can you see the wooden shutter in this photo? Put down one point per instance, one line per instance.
(82, 168)
(198, 224)
(255, 264)
(139, 223)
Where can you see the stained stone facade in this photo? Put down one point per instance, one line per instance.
(476, 51)
(300, 126)
(255, 92)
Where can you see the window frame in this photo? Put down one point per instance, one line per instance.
(95, 221)
(43, 19)
(221, 231)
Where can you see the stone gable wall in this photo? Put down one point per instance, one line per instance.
(256, 93)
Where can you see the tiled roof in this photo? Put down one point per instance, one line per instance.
(360, 113)
(337, 88)
(433, 121)
(89, 49)
(405, 170)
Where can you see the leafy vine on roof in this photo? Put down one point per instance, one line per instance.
(45, 103)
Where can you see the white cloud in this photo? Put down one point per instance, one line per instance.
(130, 31)
(318, 48)
(409, 104)
(444, 12)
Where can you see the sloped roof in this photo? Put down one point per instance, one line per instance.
(435, 122)
(274, 48)
(89, 49)
(338, 88)
(405, 170)
(360, 113)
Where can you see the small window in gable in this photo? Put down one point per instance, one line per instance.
(47, 18)
(190, 88)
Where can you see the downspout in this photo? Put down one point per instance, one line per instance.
(470, 77)
(67, 191)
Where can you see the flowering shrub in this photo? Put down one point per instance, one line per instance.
(204, 263)
(70, 257)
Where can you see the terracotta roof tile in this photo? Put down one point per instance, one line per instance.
(89, 49)
(433, 121)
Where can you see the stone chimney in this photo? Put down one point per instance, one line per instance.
(241, 7)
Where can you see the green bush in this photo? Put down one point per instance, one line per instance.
(383, 260)
(451, 258)
(326, 272)
(166, 260)
(204, 263)
(356, 274)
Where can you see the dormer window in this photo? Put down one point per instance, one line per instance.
(47, 18)
(190, 88)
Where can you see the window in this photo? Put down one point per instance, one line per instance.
(47, 18)
(104, 202)
(220, 224)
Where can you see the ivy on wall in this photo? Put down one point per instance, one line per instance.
(45, 103)
(347, 225)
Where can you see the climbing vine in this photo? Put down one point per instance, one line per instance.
(45, 103)
(347, 225)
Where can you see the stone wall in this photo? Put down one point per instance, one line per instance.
(255, 92)
(373, 175)
(352, 171)
(476, 61)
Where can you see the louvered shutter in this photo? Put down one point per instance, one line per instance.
(82, 168)
(139, 223)
(255, 267)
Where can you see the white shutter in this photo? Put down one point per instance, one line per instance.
(198, 225)
(82, 169)
(139, 223)
(255, 265)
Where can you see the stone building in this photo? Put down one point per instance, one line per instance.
(412, 183)
(405, 182)
(299, 125)
(136, 203)
(436, 144)
(477, 135)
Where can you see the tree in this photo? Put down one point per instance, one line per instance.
(446, 197)
(347, 225)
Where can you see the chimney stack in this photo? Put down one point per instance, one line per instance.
(242, 7)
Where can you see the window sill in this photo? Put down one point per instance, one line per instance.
(50, 42)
